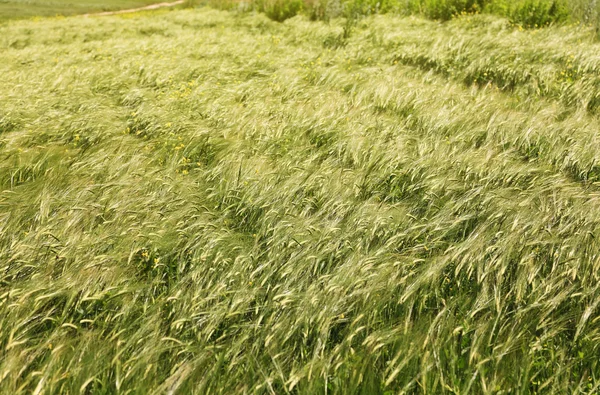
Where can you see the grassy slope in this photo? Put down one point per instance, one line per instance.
(195, 200)
(11, 9)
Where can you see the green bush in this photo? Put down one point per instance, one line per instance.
(222, 4)
(323, 10)
(280, 10)
(539, 13)
(531, 13)
(584, 10)
(317, 9)
(526, 13)
(446, 9)
(368, 7)
(327, 9)
(435, 9)
(190, 3)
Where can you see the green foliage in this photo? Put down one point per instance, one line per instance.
(190, 3)
(539, 13)
(527, 13)
(447, 9)
(532, 13)
(279, 10)
(366, 7)
(435, 9)
(242, 5)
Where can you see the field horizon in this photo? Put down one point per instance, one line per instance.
(203, 201)
(23, 9)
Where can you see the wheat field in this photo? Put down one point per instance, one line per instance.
(200, 201)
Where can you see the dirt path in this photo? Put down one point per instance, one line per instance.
(146, 8)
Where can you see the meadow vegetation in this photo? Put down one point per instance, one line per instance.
(201, 201)
(525, 13)
(18, 9)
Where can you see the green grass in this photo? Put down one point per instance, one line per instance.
(17, 9)
(200, 202)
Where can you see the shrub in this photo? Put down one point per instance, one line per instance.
(366, 7)
(280, 10)
(526, 13)
(584, 10)
(240, 5)
(446, 9)
(532, 13)
(323, 9)
(189, 3)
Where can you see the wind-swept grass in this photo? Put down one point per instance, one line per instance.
(210, 202)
